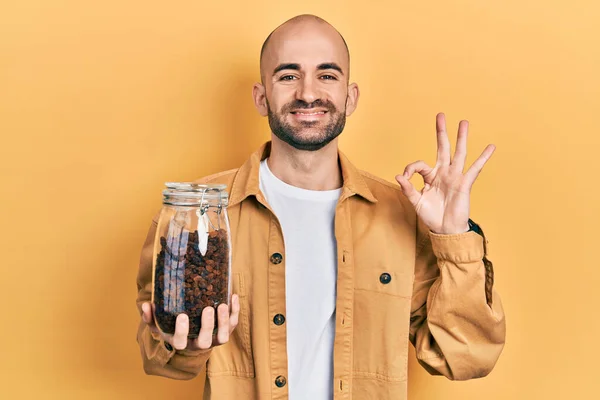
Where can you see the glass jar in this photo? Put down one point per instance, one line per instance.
(192, 247)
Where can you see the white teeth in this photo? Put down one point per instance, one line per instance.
(317, 113)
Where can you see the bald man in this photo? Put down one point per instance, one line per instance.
(334, 270)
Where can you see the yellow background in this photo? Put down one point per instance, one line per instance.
(102, 102)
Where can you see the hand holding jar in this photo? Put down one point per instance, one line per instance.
(192, 268)
(226, 323)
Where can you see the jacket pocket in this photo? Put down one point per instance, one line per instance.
(235, 357)
(382, 299)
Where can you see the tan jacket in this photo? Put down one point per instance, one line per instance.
(440, 297)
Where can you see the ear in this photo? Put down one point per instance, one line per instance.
(260, 99)
(352, 99)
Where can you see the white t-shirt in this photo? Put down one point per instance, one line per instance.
(307, 221)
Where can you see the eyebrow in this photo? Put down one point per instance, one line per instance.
(296, 67)
(281, 67)
(331, 65)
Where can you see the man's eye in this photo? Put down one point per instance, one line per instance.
(328, 77)
(287, 78)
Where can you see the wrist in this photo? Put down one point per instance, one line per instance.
(452, 230)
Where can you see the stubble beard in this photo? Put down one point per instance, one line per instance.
(293, 136)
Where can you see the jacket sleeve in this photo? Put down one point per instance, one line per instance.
(457, 323)
(159, 358)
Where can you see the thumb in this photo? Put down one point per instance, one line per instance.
(147, 313)
(408, 189)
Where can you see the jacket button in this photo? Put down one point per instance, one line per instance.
(385, 278)
(276, 258)
(168, 346)
(280, 381)
(279, 319)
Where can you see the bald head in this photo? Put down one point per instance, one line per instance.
(295, 29)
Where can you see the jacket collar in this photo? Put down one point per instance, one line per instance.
(246, 181)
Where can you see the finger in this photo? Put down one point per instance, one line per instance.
(223, 324)
(235, 312)
(148, 317)
(408, 189)
(460, 154)
(206, 328)
(179, 340)
(477, 166)
(421, 168)
(443, 152)
(147, 313)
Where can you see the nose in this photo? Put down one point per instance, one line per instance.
(308, 90)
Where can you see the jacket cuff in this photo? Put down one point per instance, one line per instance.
(458, 248)
(163, 351)
(192, 353)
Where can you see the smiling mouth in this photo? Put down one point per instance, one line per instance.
(308, 113)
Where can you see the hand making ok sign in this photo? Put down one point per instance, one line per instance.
(443, 203)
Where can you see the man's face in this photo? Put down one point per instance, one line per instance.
(306, 85)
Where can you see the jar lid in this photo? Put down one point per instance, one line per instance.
(194, 187)
(194, 193)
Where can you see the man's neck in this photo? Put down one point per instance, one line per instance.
(312, 170)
